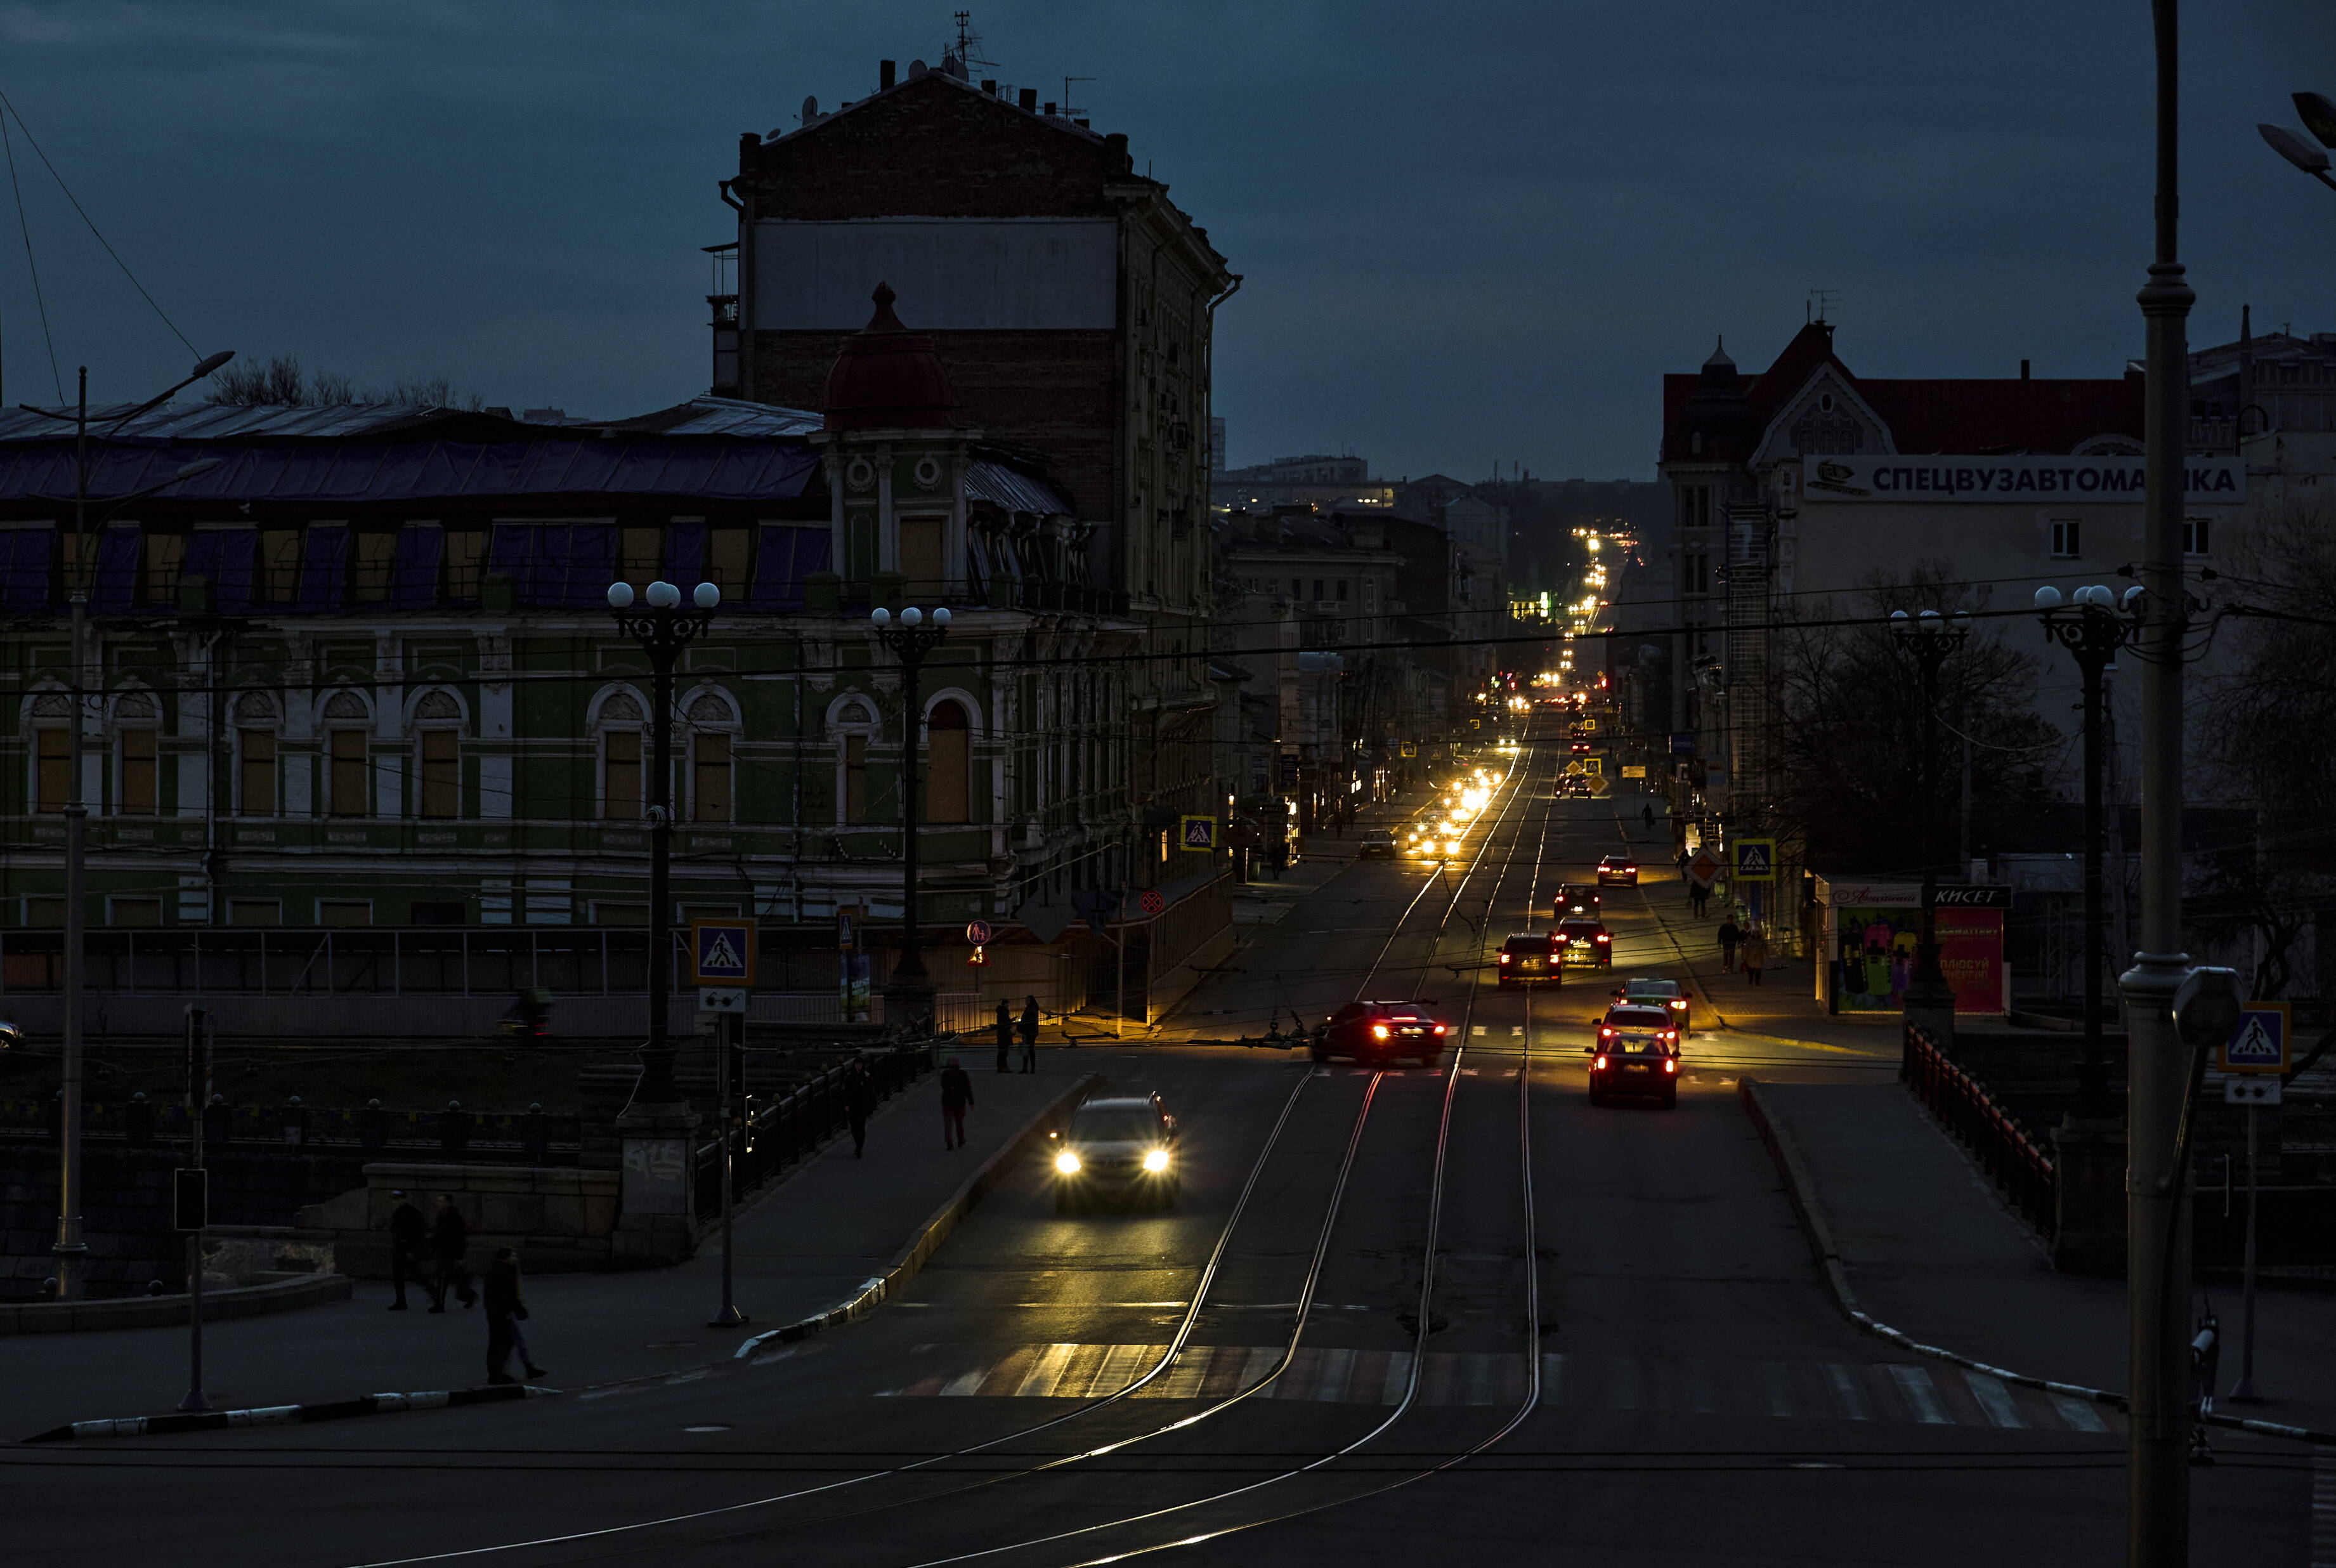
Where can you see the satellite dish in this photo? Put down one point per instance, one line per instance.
(810, 110)
(916, 69)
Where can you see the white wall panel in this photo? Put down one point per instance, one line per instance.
(948, 273)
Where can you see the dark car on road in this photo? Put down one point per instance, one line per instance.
(1377, 1033)
(1585, 943)
(1379, 844)
(1620, 869)
(1577, 899)
(1636, 1054)
(1667, 995)
(1529, 957)
(1119, 1150)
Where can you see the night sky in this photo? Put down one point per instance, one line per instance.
(1470, 233)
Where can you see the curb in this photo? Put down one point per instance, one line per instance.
(936, 1230)
(1803, 1191)
(152, 1312)
(288, 1414)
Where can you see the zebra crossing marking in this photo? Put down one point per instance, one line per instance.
(1895, 1393)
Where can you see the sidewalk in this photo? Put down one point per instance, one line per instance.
(1930, 1249)
(804, 1246)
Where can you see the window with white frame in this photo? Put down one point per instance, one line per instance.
(622, 773)
(136, 735)
(713, 725)
(255, 751)
(2066, 544)
(438, 755)
(2197, 535)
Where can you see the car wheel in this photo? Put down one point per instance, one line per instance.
(1597, 1098)
(1670, 1098)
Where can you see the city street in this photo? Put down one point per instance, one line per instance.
(1627, 1356)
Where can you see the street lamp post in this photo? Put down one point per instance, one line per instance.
(663, 628)
(910, 993)
(2094, 632)
(1930, 639)
(2318, 114)
(70, 1249)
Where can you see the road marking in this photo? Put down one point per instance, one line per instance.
(1516, 1029)
(1476, 1028)
(1914, 1383)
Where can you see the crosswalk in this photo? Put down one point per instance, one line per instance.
(1884, 1392)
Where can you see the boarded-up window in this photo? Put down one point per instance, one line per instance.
(376, 550)
(727, 561)
(54, 770)
(620, 775)
(164, 552)
(948, 759)
(257, 768)
(137, 772)
(442, 778)
(254, 911)
(143, 913)
(921, 556)
(644, 555)
(279, 565)
(345, 911)
(855, 778)
(709, 783)
(346, 786)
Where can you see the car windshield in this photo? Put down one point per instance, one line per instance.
(1528, 944)
(1652, 991)
(1637, 1046)
(1115, 1124)
(1580, 928)
(1638, 1019)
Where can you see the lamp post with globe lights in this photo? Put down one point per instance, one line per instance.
(663, 627)
(908, 995)
(1930, 638)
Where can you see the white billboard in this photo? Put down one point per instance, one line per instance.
(2055, 481)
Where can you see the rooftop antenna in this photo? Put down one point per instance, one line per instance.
(1068, 111)
(968, 43)
(1820, 302)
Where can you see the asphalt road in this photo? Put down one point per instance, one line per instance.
(1626, 1358)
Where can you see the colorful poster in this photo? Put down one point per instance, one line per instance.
(1971, 955)
(1877, 957)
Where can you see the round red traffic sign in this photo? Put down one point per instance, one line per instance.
(978, 933)
(1152, 902)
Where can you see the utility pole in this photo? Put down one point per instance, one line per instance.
(196, 1197)
(2159, 1062)
(908, 995)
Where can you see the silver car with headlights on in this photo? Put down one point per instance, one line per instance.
(1119, 1150)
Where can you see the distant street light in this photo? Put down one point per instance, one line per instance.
(910, 989)
(70, 1249)
(662, 630)
(2319, 116)
(1930, 639)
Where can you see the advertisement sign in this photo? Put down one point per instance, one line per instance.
(1875, 953)
(1971, 955)
(2057, 481)
(854, 992)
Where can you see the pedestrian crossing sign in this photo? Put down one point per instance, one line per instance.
(722, 952)
(2262, 1042)
(1755, 860)
(1197, 833)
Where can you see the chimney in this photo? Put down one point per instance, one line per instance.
(1115, 145)
(990, 85)
(2023, 370)
(884, 74)
(1030, 99)
(1050, 109)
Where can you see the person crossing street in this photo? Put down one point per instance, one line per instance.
(1029, 1033)
(956, 1095)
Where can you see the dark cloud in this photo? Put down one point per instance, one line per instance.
(1470, 233)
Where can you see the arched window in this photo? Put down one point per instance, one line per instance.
(949, 762)
(255, 747)
(712, 724)
(136, 719)
(854, 725)
(438, 755)
(622, 772)
(348, 726)
(52, 718)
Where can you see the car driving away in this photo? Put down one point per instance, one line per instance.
(1377, 1033)
(1577, 899)
(1584, 943)
(1529, 957)
(1618, 869)
(1641, 991)
(1119, 1150)
(1637, 1054)
(1378, 843)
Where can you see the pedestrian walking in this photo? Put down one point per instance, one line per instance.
(1756, 953)
(859, 1105)
(449, 1239)
(956, 1094)
(1730, 935)
(1030, 1034)
(1004, 1027)
(1647, 814)
(409, 1238)
(1699, 898)
(506, 1309)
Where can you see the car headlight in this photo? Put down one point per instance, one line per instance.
(1067, 1163)
(1157, 1160)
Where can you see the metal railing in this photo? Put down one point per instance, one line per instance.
(1995, 1138)
(370, 1132)
(777, 1132)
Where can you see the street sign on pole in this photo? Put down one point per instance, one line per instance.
(978, 933)
(2252, 1091)
(2262, 1041)
(1755, 860)
(722, 952)
(1150, 902)
(847, 929)
(1703, 868)
(720, 998)
(1197, 833)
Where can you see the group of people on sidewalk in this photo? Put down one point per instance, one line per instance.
(1005, 1026)
(430, 1255)
(1747, 943)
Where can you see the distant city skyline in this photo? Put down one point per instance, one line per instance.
(1481, 241)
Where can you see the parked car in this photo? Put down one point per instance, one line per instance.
(1529, 957)
(1585, 942)
(1577, 899)
(1119, 1150)
(1667, 995)
(1379, 844)
(1636, 1054)
(1623, 868)
(1376, 1033)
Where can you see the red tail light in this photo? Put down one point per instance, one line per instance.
(1605, 1032)
(1439, 1029)
(1378, 1031)
(1671, 1064)
(1598, 1065)
(1604, 937)
(1505, 957)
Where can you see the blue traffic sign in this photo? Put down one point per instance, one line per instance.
(722, 953)
(2261, 1042)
